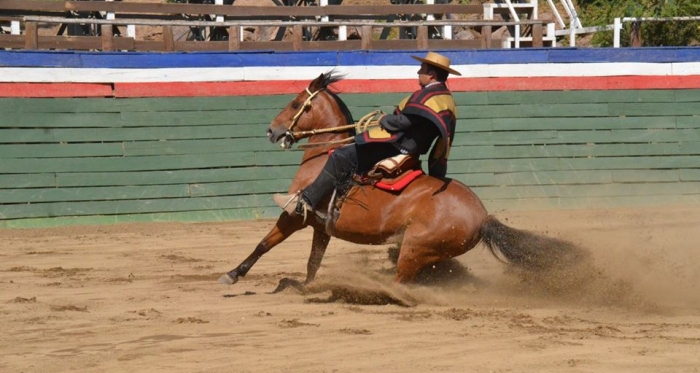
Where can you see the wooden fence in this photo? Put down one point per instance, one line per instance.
(103, 160)
(313, 27)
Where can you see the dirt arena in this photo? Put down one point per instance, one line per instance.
(145, 298)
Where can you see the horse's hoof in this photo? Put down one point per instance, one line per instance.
(227, 279)
(289, 283)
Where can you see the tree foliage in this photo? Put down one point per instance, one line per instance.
(669, 33)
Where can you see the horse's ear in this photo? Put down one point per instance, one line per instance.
(317, 83)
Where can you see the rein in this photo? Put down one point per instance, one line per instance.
(359, 127)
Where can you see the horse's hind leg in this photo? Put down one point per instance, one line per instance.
(413, 258)
(318, 250)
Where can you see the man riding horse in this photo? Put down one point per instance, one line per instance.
(429, 113)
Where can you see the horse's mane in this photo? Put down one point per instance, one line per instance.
(329, 78)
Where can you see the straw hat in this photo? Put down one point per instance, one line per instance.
(438, 60)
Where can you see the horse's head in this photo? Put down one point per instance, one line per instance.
(314, 108)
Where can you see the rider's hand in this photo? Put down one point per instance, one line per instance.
(382, 122)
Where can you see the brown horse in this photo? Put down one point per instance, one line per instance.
(432, 219)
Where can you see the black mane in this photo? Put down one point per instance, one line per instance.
(329, 78)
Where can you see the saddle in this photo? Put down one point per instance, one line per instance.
(393, 173)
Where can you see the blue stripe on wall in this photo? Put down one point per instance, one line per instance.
(344, 58)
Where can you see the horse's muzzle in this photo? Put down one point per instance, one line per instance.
(277, 135)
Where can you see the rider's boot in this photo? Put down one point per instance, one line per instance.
(293, 204)
(304, 202)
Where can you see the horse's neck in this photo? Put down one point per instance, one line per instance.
(322, 150)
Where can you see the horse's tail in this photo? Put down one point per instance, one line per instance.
(528, 250)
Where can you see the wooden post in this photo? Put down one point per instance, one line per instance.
(31, 37)
(107, 37)
(537, 35)
(297, 37)
(636, 34)
(168, 39)
(486, 37)
(366, 41)
(422, 37)
(234, 38)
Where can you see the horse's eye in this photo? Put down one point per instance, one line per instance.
(295, 105)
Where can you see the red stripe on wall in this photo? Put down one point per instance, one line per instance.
(201, 89)
(55, 90)
(408, 85)
(206, 89)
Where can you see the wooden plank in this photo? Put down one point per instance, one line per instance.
(539, 191)
(110, 193)
(36, 120)
(495, 166)
(588, 203)
(474, 179)
(533, 111)
(553, 178)
(655, 135)
(358, 100)
(692, 174)
(34, 210)
(116, 164)
(690, 147)
(631, 163)
(645, 176)
(130, 105)
(204, 146)
(596, 123)
(580, 97)
(54, 135)
(246, 213)
(60, 150)
(39, 195)
(654, 109)
(469, 125)
(625, 136)
(470, 98)
(630, 189)
(576, 137)
(76, 179)
(152, 133)
(239, 187)
(587, 191)
(60, 105)
(460, 151)
(18, 181)
(276, 157)
(687, 95)
(688, 122)
(490, 138)
(199, 117)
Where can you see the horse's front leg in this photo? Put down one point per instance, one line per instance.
(318, 249)
(285, 227)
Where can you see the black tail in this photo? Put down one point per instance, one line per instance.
(528, 250)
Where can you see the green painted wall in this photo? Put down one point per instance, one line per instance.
(99, 161)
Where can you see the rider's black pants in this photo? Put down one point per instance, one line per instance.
(342, 164)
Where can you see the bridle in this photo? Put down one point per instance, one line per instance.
(307, 104)
(360, 126)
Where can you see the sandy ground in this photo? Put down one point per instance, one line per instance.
(144, 298)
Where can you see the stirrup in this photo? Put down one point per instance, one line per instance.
(293, 204)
